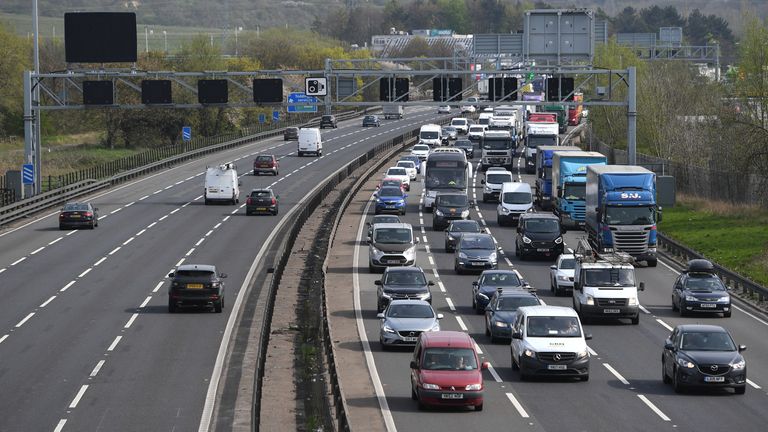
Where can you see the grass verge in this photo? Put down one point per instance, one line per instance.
(735, 236)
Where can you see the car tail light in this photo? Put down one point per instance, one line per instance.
(62, 215)
(88, 214)
(274, 201)
(249, 201)
(272, 164)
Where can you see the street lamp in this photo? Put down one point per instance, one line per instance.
(165, 40)
(237, 29)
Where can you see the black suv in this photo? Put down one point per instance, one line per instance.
(539, 234)
(467, 146)
(449, 206)
(698, 289)
(262, 201)
(402, 283)
(196, 285)
(328, 121)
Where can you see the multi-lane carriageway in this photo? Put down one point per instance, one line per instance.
(625, 391)
(86, 342)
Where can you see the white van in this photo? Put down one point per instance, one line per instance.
(391, 244)
(484, 118)
(310, 141)
(431, 134)
(549, 340)
(222, 184)
(515, 199)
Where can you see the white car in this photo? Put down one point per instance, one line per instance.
(468, 109)
(461, 124)
(401, 173)
(410, 167)
(561, 274)
(420, 150)
(444, 109)
(476, 132)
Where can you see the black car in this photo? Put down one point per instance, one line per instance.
(502, 311)
(703, 356)
(291, 133)
(262, 201)
(371, 120)
(196, 285)
(467, 146)
(328, 121)
(490, 281)
(539, 234)
(449, 206)
(75, 215)
(402, 283)
(698, 289)
(382, 219)
(456, 229)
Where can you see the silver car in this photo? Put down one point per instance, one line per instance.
(404, 320)
(561, 274)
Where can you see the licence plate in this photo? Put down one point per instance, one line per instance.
(714, 379)
(611, 311)
(261, 209)
(75, 216)
(394, 261)
(557, 367)
(390, 206)
(478, 264)
(708, 305)
(542, 250)
(194, 286)
(453, 396)
(409, 338)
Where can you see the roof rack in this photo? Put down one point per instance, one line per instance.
(585, 253)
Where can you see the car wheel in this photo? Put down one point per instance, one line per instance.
(522, 256)
(515, 366)
(402, 213)
(523, 374)
(584, 377)
(414, 396)
(93, 225)
(674, 305)
(458, 270)
(676, 384)
(636, 319)
(727, 314)
(652, 262)
(487, 331)
(479, 407)
(682, 310)
(740, 390)
(218, 306)
(384, 347)
(171, 307)
(247, 213)
(371, 269)
(551, 285)
(276, 172)
(274, 213)
(664, 378)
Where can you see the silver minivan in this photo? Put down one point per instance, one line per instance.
(391, 244)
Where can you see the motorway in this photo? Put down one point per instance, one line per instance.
(625, 391)
(86, 340)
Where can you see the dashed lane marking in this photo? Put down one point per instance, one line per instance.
(517, 405)
(461, 323)
(616, 374)
(654, 408)
(78, 396)
(98, 367)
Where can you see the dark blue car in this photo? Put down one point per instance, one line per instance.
(390, 199)
(491, 281)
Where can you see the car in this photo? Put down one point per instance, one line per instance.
(391, 181)
(390, 245)
(421, 151)
(475, 252)
(539, 234)
(196, 285)
(699, 290)
(262, 201)
(266, 164)
(410, 167)
(501, 311)
(450, 132)
(404, 320)
(291, 133)
(78, 214)
(561, 274)
(444, 109)
(328, 121)
(401, 173)
(458, 227)
(515, 199)
(467, 146)
(476, 132)
(491, 281)
(449, 206)
(402, 283)
(445, 370)
(390, 199)
(703, 356)
(416, 161)
(549, 340)
(384, 218)
(493, 181)
(371, 120)
(461, 124)
(468, 109)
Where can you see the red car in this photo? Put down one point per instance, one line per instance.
(391, 181)
(445, 370)
(265, 164)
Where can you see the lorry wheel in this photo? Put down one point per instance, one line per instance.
(652, 262)
(636, 320)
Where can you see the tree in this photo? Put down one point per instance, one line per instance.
(14, 60)
(628, 21)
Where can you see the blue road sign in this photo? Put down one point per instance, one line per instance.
(275, 115)
(262, 118)
(186, 133)
(28, 174)
(297, 103)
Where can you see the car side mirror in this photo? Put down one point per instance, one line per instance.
(658, 215)
(642, 286)
(588, 336)
(368, 239)
(440, 316)
(380, 315)
(669, 346)
(377, 282)
(517, 335)
(431, 283)
(553, 267)
(223, 275)
(489, 309)
(170, 275)
(416, 241)
(474, 283)
(482, 181)
(414, 365)
(368, 223)
(485, 366)
(742, 348)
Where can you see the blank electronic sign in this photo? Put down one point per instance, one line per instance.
(212, 92)
(267, 90)
(98, 93)
(99, 37)
(156, 92)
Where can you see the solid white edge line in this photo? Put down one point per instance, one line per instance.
(96, 369)
(616, 374)
(749, 314)
(78, 396)
(494, 374)
(654, 408)
(45, 303)
(114, 343)
(663, 324)
(450, 303)
(753, 384)
(60, 425)
(461, 323)
(21, 323)
(517, 405)
(130, 321)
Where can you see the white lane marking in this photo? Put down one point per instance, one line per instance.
(174, 211)
(421, 221)
(616, 374)
(60, 426)
(163, 218)
(209, 233)
(75, 232)
(509, 263)
(18, 261)
(45, 303)
(753, 384)
(100, 261)
(151, 225)
(217, 225)
(179, 182)
(157, 192)
(226, 218)
(116, 210)
(461, 323)
(114, 344)
(477, 348)
(96, 369)
(141, 232)
(591, 351)
(442, 287)
(494, 374)
(115, 250)
(128, 241)
(180, 262)
(3, 269)
(21, 323)
(78, 396)
(642, 308)
(37, 250)
(517, 405)
(168, 187)
(146, 301)
(431, 261)
(426, 246)
(434, 271)
(237, 209)
(159, 284)
(189, 252)
(144, 197)
(199, 242)
(55, 241)
(423, 231)
(130, 204)
(131, 320)
(450, 303)
(654, 408)
(66, 287)
(663, 324)
(85, 272)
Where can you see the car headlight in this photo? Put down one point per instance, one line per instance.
(483, 296)
(465, 213)
(488, 189)
(725, 299)
(428, 386)
(526, 240)
(690, 298)
(438, 212)
(435, 327)
(558, 240)
(492, 257)
(462, 255)
(685, 363)
(386, 295)
(530, 353)
(474, 387)
(504, 209)
(375, 251)
(633, 301)
(387, 329)
(590, 300)
(563, 278)
(425, 296)
(582, 354)
(500, 324)
(451, 238)
(739, 365)
(410, 252)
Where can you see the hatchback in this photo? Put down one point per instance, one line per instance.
(501, 312)
(467, 146)
(475, 252)
(449, 206)
(291, 133)
(328, 121)
(262, 201)
(404, 320)
(561, 274)
(74, 215)
(265, 164)
(416, 161)
(371, 120)
(196, 285)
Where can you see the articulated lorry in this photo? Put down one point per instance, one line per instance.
(622, 213)
(544, 174)
(538, 134)
(562, 115)
(569, 179)
(498, 149)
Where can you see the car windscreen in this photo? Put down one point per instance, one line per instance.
(449, 359)
(406, 164)
(421, 147)
(553, 326)
(535, 141)
(410, 311)
(385, 219)
(512, 303)
(452, 200)
(196, 274)
(391, 182)
(458, 122)
(260, 194)
(465, 226)
(390, 191)
(498, 178)
(706, 341)
(516, 198)
(392, 235)
(500, 279)
(476, 129)
(397, 172)
(609, 277)
(405, 278)
(484, 243)
(428, 135)
(705, 282)
(76, 207)
(568, 264)
(542, 226)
